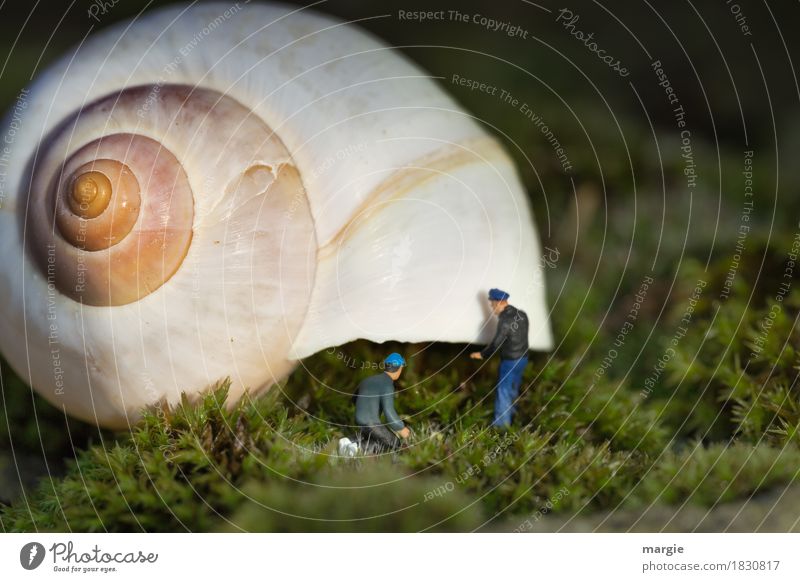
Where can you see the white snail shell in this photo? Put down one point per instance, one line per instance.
(221, 190)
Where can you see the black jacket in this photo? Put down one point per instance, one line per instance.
(511, 338)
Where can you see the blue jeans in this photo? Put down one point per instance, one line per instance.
(508, 382)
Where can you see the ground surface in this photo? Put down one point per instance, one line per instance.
(669, 403)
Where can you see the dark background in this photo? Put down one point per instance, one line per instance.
(699, 43)
(739, 92)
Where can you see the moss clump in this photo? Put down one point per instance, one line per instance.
(734, 374)
(155, 479)
(720, 473)
(185, 468)
(270, 463)
(363, 497)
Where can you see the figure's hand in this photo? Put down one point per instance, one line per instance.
(476, 356)
(404, 433)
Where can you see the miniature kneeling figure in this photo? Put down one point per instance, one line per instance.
(375, 396)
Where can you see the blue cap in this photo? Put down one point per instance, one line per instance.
(394, 361)
(498, 295)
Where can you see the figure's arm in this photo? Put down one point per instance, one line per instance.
(387, 405)
(497, 342)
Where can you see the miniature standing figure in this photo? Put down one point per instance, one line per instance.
(511, 340)
(375, 396)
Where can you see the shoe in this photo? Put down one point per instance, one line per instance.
(347, 448)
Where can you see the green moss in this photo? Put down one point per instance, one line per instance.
(270, 463)
(719, 473)
(734, 375)
(361, 497)
(186, 468)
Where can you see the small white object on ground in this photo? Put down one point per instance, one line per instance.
(347, 448)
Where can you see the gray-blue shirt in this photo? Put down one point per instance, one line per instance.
(375, 396)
